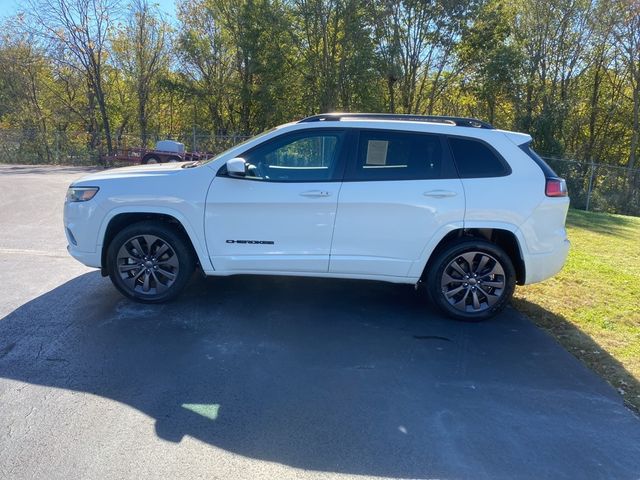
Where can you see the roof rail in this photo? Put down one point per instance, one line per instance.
(457, 121)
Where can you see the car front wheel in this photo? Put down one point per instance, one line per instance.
(471, 280)
(149, 262)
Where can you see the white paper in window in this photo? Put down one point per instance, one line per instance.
(377, 152)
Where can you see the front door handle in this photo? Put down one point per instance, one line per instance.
(316, 193)
(439, 193)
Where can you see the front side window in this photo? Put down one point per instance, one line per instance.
(388, 155)
(474, 159)
(298, 157)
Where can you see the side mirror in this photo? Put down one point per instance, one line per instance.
(237, 167)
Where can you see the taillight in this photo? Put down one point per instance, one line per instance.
(556, 187)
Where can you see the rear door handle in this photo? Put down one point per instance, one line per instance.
(439, 193)
(316, 193)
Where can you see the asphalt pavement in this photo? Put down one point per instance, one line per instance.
(274, 377)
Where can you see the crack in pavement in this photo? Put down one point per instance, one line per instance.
(39, 253)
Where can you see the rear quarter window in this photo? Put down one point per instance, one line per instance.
(475, 159)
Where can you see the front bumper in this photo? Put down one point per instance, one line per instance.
(81, 225)
(90, 259)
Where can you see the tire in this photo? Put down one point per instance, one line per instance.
(151, 159)
(174, 159)
(136, 269)
(471, 280)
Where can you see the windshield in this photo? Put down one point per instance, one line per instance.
(251, 139)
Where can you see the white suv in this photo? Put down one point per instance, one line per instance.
(452, 202)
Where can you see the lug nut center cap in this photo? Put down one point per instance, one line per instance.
(148, 264)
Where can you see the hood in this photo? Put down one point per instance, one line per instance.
(158, 169)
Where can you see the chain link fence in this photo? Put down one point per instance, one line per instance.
(80, 148)
(592, 186)
(598, 186)
(50, 147)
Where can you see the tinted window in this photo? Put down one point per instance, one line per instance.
(308, 157)
(384, 155)
(476, 159)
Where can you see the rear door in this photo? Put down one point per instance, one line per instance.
(280, 216)
(399, 189)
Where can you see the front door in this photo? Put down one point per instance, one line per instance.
(280, 216)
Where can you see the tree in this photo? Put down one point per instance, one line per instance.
(627, 35)
(337, 55)
(76, 32)
(23, 72)
(264, 76)
(552, 35)
(141, 48)
(488, 60)
(206, 60)
(416, 41)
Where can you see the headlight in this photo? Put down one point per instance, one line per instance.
(81, 194)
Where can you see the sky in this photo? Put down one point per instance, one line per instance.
(9, 7)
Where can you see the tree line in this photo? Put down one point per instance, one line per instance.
(565, 71)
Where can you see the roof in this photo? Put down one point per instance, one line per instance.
(456, 121)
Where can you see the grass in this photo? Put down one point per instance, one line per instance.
(592, 306)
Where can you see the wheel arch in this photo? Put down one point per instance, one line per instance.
(504, 237)
(119, 218)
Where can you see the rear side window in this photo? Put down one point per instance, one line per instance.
(474, 159)
(388, 155)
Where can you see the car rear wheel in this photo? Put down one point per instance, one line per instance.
(471, 280)
(150, 262)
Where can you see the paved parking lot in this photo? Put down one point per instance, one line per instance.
(262, 377)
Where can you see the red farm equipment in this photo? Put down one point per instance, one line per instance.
(164, 151)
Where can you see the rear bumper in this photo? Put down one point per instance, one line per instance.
(541, 266)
